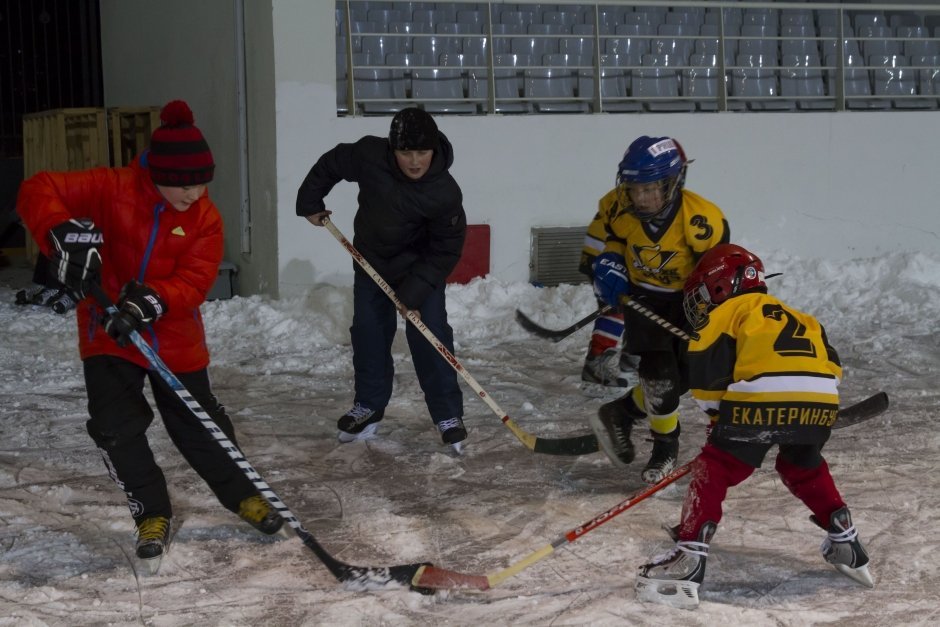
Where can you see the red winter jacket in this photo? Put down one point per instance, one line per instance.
(175, 253)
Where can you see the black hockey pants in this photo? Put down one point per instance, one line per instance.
(120, 416)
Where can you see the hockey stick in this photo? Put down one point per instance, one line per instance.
(435, 578)
(355, 577)
(556, 336)
(652, 315)
(578, 445)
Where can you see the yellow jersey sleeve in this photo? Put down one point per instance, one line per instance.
(596, 236)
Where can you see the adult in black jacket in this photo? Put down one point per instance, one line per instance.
(410, 226)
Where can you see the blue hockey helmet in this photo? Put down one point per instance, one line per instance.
(651, 160)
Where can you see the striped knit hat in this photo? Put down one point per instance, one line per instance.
(179, 155)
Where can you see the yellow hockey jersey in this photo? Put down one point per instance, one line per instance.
(765, 372)
(661, 260)
(597, 232)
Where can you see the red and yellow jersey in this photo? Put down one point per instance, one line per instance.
(598, 230)
(765, 372)
(661, 260)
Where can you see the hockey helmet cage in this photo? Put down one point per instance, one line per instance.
(648, 160)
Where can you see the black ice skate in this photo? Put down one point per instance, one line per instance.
(257, 512)
(359, 423)
(153, 541)
(663, 458)
(612, 426)
(843, 549)
(453, 432)
(673, 578)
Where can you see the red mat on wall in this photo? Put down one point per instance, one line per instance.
(475, 259)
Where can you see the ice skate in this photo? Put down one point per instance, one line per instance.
(359, 423)
(612, 426)
(605, 369)
(153, 541)
(453, 432)
(663, 458)
(673, 578)
(257, 512)
(44, 297)
(844, 550)
(25, 296)
(63, 303)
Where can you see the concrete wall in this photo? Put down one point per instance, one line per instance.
(154, 52)
(821, 185)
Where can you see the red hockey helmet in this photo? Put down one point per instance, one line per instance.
(722, 273)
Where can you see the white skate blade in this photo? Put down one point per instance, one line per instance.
(604, 440)
(151, 565)
(457, 448)
(682, 595)
(365, 434)
(860, 574)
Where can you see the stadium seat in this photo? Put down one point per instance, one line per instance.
(801, 78)
(877, 41)
(613, 84)
(700, 81)
(755, 83)
(893, 76)
(656, 84)
(440, 90)
(552, 90)
(857, 83)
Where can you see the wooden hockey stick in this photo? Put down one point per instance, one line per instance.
(434, 578)
(354, 577)
(577, 445)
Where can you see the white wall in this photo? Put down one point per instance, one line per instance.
(821, 185)
(824, 185)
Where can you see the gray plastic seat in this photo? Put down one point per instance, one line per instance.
(801, 78)
(656, 84)
(380, 46)
(877, 41)
(552, 90)
(507, 81)
(434, 46)
(700, 81)
(384, 88)
(928, 75)
(892, 75)
(857, 83)
(535, 46)
(614, 83)
(755, 83)
(441, 90)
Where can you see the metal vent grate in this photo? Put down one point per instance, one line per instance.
(556, 252)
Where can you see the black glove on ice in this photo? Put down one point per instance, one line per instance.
(75, 260)
(138, 305)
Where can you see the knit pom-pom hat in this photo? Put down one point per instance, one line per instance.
(179, 155)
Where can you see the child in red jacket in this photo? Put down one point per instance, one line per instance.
(152, 238)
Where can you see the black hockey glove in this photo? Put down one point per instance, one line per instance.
(75, 260)
(138, 305)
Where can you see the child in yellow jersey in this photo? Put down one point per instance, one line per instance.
(605, 364)
(766, 374)
(657, 232)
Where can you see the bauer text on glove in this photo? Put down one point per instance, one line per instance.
(75, 259)
(138, 306)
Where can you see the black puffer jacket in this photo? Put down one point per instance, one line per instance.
(412, 232)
